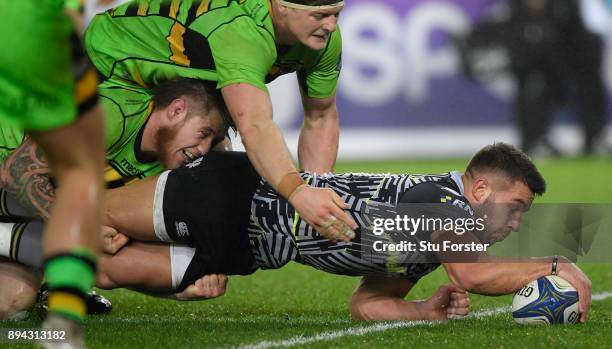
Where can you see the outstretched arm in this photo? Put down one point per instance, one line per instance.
(381, 298)
(25, 175)
(499, 276)
(251, 110)
(483, 274)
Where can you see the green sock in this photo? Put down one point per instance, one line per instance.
(69, 277)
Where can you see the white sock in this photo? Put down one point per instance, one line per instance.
(6, 233)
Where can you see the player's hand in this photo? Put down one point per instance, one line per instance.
(570, 272)
(449, 302)
(112, 240)
(206, 287)
(323, 209)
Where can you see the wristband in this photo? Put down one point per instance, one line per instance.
(555, 261)
(289, 183)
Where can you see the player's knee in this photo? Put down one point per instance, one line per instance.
(13, 304)
(18, 289)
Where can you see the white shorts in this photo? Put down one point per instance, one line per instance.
(180, 257)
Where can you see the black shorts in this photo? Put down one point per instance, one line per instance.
(207, 205)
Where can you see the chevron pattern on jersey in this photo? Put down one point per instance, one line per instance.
(278, 236)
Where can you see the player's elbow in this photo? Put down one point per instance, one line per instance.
(251, 131)
(365, 309)
(104, 282)
(319, 118)
(359, 311)
(467, 283)
(104, 279)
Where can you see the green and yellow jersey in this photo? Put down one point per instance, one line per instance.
(144, 42)
(125, 114)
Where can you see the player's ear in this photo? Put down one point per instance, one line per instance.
(281, 9)
(177, 110)
(481, 189)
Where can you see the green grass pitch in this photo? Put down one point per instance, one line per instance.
(299, 306)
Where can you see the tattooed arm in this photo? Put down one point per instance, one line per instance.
(25, 175)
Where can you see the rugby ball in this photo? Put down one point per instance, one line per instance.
(547, 300)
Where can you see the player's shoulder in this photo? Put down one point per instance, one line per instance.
(437, 198)
(441, 190)
(125, 112)
(428, 192)
(121, 101)
(232, 15)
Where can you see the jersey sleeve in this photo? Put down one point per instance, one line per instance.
(321, 80)
(243, 52)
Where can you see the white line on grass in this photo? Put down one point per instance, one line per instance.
(602, 296)
(360, 331)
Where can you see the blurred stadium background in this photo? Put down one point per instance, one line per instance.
(402, 92)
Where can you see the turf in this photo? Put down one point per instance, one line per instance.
(299, 301)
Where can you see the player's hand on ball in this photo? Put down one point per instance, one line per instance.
(206, 287)
(570, 272)
(112, 240)
(324, 210)
(449, 302)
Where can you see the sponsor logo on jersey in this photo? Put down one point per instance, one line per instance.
(128, 167)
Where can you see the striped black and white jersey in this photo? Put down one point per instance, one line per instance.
(278, 235)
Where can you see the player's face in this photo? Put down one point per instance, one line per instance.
(192, 136)
(312, 28)
(504, 210)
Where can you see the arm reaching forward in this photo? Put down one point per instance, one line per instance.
(380, 298)
(251, 110)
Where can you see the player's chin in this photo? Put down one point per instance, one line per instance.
(316, 42)
(492, 240)
(176, 161)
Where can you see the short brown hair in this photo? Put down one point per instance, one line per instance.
(203, 93)
(512, 162)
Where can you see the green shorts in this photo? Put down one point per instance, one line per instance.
(45, 77)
